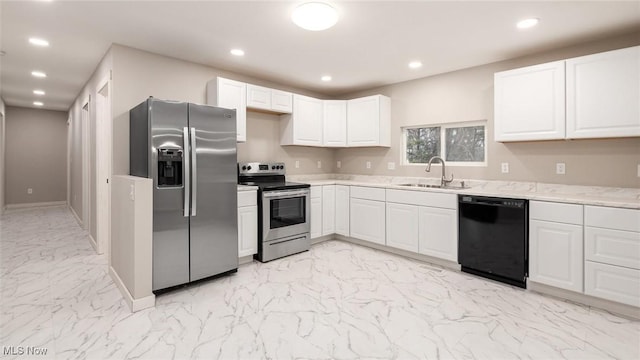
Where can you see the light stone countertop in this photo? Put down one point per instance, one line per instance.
(246, 188)
(574, 194)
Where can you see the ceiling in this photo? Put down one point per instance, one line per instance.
(371, 44)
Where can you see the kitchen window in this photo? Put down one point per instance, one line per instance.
(460, 144)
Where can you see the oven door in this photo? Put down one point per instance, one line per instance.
(284, 213)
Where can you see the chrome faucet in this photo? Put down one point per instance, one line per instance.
(444, 181)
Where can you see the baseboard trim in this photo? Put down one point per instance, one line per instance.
(35, 205)
(245, 259)
(94, 243)
(76, 216)
(134, 304)
(623, 310)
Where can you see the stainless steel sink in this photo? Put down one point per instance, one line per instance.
(432, 186)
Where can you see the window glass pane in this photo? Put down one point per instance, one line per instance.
(422, 144)
(465, 143)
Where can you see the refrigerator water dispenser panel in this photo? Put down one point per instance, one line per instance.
(169, 167)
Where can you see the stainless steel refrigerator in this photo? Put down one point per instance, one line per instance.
(189, 151)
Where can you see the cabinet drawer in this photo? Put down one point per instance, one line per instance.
(368, 193)
(423, 198)
(612, 218)
(316, 192)
(613, 247)
(613, 283)
(247, 198)
(556, 212)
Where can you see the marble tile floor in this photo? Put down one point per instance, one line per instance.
(337, 301)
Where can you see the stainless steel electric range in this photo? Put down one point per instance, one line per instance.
(283, 210)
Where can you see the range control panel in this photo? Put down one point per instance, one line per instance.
(258, 168)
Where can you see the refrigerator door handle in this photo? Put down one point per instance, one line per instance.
(194, 172)
(187, 171)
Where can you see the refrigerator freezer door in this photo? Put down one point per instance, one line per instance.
(170, 227)
(214, 228)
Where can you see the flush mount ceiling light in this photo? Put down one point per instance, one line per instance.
(39, 74)
(38, 42)
(37, 103)
(315, 16)
(237, 52)
(415, 65)
(326, 78)
(527, 23)
(38, 92)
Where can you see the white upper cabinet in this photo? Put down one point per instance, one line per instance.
(593, 96)
(230, 94)
(304, 125)
(335, 123)
(529, 103)
(369, 121)
(603, 94)
(263, 98)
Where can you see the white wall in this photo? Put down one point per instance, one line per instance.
(2, 151)
(467, 95)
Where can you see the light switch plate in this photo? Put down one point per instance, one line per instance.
(319, 164)
(560, 168)
(297, 164)
(505, 168)
(368, 164)
(29, 191)
(391, 165)
(339, 165)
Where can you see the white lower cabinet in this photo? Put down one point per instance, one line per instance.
(402, 226)
(555, 254)
(615, 283)
(342, 210)
(368, 220)
(438, 229)
(328, 209)
(247, 223)
(316, 211)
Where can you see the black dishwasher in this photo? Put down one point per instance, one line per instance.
(493, 238)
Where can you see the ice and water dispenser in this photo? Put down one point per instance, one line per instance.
(169, 167)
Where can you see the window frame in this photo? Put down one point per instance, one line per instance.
(443, 143)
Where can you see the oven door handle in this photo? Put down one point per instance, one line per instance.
(284, 194)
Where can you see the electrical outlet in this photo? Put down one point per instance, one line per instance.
(368, 165)
(29, 191)
(505, 168)
(297, 164)
(391, 165)
(319, 164)
(560, 168)
(339, 165)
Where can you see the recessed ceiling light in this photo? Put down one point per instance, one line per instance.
(415, 64)
(527, 23)
(237, 52)
(315, 16)
(39, 74)
(326, 78)
(38, 92)
(38, 42)
(37, 103)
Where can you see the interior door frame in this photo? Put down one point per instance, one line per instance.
(103, 164)
(85, 116)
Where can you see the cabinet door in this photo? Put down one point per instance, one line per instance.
(438, 231)
(402, 226)
(281, 101)
(258, 97)
(529, 103)
(603, 92)
(316, 217)
(615, 283)
(233, 95)
(328, 209)
(342, 210)
(368, 220)
(363, 121)
(247, 230)
(556, 254)
(307, 121)
(335, 123)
